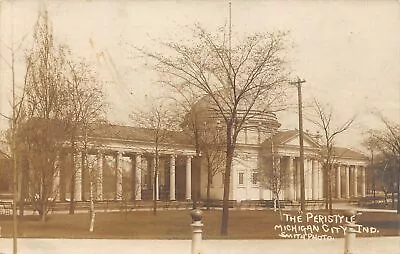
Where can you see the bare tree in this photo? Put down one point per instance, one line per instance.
(387, 142)
(90, 164)
(274, 177)
(160, 122)
(207, 136)
(85, 107)
(235, 79)
(43, 130)
(372, 146)
(63, 98)
(211, 144)
(10, 148)
(324, 121)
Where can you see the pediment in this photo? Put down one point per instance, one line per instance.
(291, 138)
(307, 141)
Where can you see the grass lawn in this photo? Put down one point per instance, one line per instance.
(174, 225)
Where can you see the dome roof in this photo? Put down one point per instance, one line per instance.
(206, 110)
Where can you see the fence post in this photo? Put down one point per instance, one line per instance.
(350, 234)
(197, 230)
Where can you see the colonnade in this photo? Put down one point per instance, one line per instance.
(143, 166)
(349, 180)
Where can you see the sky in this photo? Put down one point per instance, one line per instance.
(347, 51)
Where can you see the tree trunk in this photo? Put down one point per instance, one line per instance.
(393, 187)
(398, 191)
(225, 208)
(92, 215)
(393, 199)
(326, 188)
(155, 172)
(374, 184)
(24, 185)
(195, 184)
(209, 179)
(72, 195)
(43, 210)
(72, 189)
(330, 183)
(279, 206)
(386, 197)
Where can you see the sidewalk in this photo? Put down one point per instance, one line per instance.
(345, 206)
(383, 245)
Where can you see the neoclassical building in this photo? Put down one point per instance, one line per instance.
(119, 163)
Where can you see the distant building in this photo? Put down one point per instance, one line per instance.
(122, 160)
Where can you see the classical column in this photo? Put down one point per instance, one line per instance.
(92, 176)
(138, 176)
(355, 194)
(156, 193)
(314, 179)
(291, 179)
(172, 195)
(320, 181)
(298, 180)
(347, 181)
(118, 176)
(99, 178)
(189, 177)
(277, 164)
(63, 180)
(56, 182)
(84, 173)
(362, 181)
(308, 178)
(338, 184)
(78, 176)
(305, 179)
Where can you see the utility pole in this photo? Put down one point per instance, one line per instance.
(298, 83)
(230, 30)
(14, 146)
(14, 154)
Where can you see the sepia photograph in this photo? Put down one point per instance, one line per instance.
(199, 127)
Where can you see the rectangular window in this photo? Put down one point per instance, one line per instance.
(254, 178)
(241, 178)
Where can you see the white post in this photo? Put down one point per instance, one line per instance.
(188, 177)
(118, 172)
(138, 177)
(78, 177)
(338, 183)
(350, 234)
(197, 230)
(99, 178)
(172, 195)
